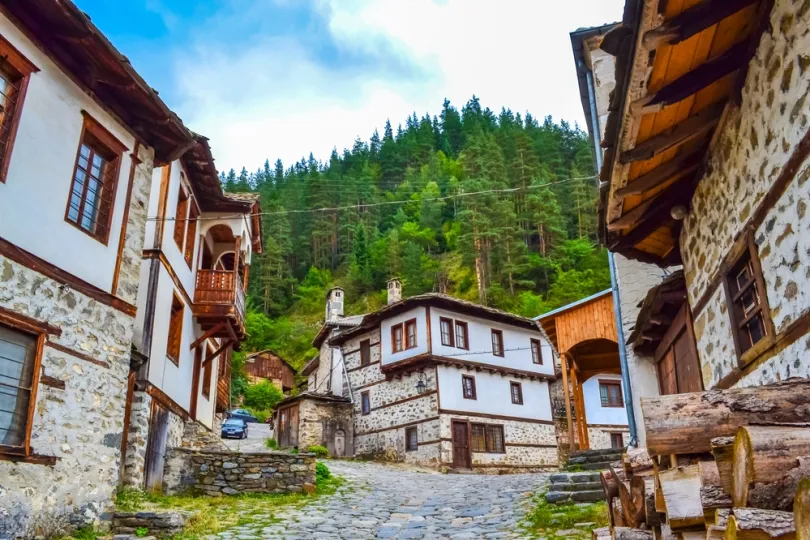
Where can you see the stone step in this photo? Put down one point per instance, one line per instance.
(596, 458)
(574, 478)
(558, 497)
(599, 466)
(583, 486)
(598, 452)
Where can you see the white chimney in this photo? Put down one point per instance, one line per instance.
(334, 303)
(394, 290)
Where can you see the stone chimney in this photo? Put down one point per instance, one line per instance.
(394, 290)
(334, 303)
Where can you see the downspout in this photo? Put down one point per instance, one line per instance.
(614, 284)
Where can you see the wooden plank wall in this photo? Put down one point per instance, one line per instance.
(594, 320)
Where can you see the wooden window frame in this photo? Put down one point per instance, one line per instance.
(115, 147)
(611, 404)
(519, 386)
(24, 69)
(408, 446)
(365, 403)
(466, 331)
(746, 248)
(473, 393)
(172, 353)
(489, 440)
(405, 334)
(185, 224)
(207, 370)
(539, 345)
(40, 332)
(451, 341)
(365, 352)
(401, 329)
(621, 440)
(499, 334)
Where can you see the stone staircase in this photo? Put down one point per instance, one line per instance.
(594, 460)
(582, 486)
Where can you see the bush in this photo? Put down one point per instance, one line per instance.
(319, 451)
(260, 414)
(322, 473)
(271, 444)
(262, 396)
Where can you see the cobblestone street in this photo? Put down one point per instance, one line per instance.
(380, 501)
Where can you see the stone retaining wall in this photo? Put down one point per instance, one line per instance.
(232, 473)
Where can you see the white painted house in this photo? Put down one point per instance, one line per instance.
(80, 132)
(432, 380)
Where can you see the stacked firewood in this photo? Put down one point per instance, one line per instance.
(719, 465)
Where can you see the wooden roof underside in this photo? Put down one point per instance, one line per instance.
(658, 309)
(679, 64)
(586, 322)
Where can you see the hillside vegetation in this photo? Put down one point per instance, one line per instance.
(495, 208)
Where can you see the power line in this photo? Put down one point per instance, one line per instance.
(376, 204)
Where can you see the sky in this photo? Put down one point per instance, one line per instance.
(268, 79)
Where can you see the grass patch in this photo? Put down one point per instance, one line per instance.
(546, 519)
(271, 444)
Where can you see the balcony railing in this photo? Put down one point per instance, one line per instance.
(220, 288)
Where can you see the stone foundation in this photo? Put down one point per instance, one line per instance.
(135, 461)
(599, 438)
(320, 421)
(160, 524)
(231, 473)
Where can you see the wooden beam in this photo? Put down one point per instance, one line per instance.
(207, 335)
(564, 368)
(632, 217)
(680, 166)
(222, 349)
(693, 127)
(692, 21)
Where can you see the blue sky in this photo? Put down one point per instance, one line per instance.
(267, 79)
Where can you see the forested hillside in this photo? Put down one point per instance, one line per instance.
(494, 208)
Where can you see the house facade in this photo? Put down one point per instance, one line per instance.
(269, 366)
(77, 151)
(707, 167)
(441, 382)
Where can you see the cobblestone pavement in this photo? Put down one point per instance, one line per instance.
(381, 501)
(258, 433)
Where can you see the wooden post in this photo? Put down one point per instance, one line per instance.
(580, 404)
(564, 366)
(801, 510)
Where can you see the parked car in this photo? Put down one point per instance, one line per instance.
(234, 428)
(242, 414)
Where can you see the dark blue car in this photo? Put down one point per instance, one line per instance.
(234, 428)
(242, 414)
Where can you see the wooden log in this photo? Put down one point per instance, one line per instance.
(609, 485)
(638, 499)
(713, 532)
(769, 461)
(801, 510)
(723, 452)
(616, 513)
(663, 532)
(629, 533)
(721, 516)
(602, 533)
(632, 516)
(712, 495)
(651, 516)
(636, 461)
(691, 535)
(758, 524)
(686, 423)
(618, 471)
(681, 490)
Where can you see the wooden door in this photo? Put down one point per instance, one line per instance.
(678, 365)
(340, 443)
(687, 368)
(461, 445)
(294, 425)
(288, 427)
(156, 447)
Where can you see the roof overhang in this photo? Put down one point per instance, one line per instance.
(679, 66)
(419, 362)
(252, 357)
(323, 398)
(579, 44)
(658, 309)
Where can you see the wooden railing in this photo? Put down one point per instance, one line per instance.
(220, 287)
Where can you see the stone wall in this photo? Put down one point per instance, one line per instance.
(233, 473)
(135, 463)
(599, 438)
(750, 151)
(390, 444)
(80, 425)
(319, 421)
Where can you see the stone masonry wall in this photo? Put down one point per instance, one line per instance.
(753, 146)
(233, 473)
(599, 438)
(318, 422)
(135, 464)
(390, 444)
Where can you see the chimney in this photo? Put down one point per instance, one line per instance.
(394, 290)
(334, 303)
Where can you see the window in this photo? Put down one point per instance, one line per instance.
(365, 403)
(487, 438)
(410, 334)
(95, 176)
(411, 439)
(185, 224)
(19, 370)
(748, 307)
(206, 384)
(365, 352)
(517, 393)
(14, 74)
(616, 440)
(537, 352)
(461, 335)
(446, 326)
(468, 387)
(396, 338)
(611, 393)
(497, 343)
(175, 331)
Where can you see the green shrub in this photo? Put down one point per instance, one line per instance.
(322, 473)
(271, 444)
(260, 414)
(262, 396)
(319, 451)
(140, 532)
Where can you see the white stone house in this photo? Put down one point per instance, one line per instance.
(191, 309)
(79, 134)
(438, 381)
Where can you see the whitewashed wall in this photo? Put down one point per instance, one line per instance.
(41, 169)
(493, 394)
(418, 313)
(594, 412)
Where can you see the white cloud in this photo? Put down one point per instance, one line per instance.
(272, 98)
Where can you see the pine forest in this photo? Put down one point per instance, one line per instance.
(498, 209)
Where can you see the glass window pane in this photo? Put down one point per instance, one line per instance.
(17, 356)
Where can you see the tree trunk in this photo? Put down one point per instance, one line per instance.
(633, 512)
(681, 489)
(769, 461)
(686, 423)
(642, 493)
(479, 271)
(602, 533)
(617, 513)
(627, 533)
(637, 461)
(757, 524)
(801, 510)
(663, 532)
(714, 532)
(609, 485)
(723, 452)
(542, 238)
(712, 495)
(721, 516)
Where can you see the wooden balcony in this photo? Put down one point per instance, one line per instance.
(219, 303)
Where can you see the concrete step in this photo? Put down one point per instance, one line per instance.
(582, 486)
(558, 497)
